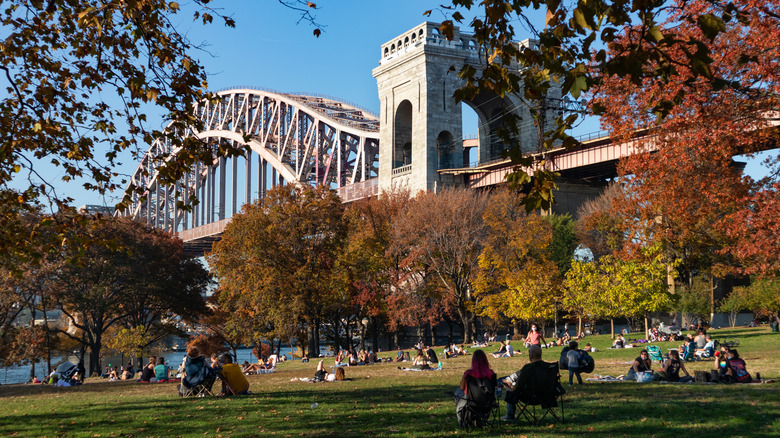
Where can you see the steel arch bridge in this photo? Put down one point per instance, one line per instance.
(293, 138)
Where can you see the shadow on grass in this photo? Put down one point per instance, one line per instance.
(373, 407)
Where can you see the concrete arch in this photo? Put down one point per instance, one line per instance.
(402, 134)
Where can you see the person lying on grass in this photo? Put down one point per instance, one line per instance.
(323, 376)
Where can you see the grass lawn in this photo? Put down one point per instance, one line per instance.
(383, 401)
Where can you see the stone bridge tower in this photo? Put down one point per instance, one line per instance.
(421, 124)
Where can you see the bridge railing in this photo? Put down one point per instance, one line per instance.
(320, 95)
(402, 170)
(359, 190)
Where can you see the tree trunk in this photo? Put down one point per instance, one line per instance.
(312, 341)
(374, 335)
(431, 335)
(362, 335)
(420, 333)
(516, 327)
(94, 357)
(466, 318)
(612, 327)
(579, 325)
(396, 340)
(647, 328)
(48, 341)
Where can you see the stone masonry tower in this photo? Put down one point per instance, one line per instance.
(421, 124)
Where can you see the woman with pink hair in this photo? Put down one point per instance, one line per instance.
(480, 369)
(485, 377)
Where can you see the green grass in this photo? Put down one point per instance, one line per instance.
(383, 401)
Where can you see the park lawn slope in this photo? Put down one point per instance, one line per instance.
(382, 400)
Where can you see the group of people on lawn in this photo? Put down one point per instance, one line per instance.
(156, 370)
(731, 368)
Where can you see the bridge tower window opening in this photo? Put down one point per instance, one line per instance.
(470, 128)
(406, 42)
(496, 146)
(445, 147)
(402, 135)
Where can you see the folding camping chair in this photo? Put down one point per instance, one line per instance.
(546, 392)
(482, 408)
(655, 353)
(199, 378)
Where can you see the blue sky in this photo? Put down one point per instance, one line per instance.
(268, 49)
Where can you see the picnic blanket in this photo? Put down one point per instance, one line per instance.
(605, 378)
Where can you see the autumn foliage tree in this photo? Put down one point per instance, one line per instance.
(79, 78)
(517, 279)
(685, 191)
(366, 268)
(442, 234)
(276, 258)
(138, 269)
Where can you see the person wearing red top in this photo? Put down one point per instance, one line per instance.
(534, 337)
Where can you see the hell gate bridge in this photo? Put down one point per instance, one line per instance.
(416, 142)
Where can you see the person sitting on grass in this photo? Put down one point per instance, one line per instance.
(708, 350)
(687, 340)
(670, 370)
(407, 358)
(620, 342)
(519, 384)
(147, 372)
(352, 359)
(233, 380)
(508, 350)
(272, 361)
(737, 369)
(431, 355)
(399, 355)
(640, 365)
(160, 370)
(127, 372)
(420, 360)
(500, 351)
(480, 370)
